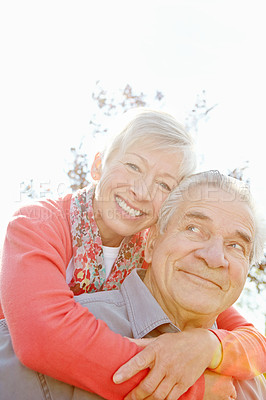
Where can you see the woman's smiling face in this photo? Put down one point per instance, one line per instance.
(131, 190)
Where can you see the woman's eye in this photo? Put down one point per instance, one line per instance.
(133, 166)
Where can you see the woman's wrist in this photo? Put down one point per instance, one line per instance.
(218, 351)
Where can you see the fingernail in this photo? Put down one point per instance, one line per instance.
(117, 378)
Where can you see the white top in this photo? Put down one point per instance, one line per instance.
(70, 271)
(109, 256)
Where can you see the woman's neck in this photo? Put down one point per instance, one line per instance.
(109, 238)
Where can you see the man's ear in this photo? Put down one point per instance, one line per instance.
(152, 236)
(96, 168)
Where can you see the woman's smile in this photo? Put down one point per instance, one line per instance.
(132, 212)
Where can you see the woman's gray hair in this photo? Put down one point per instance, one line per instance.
(155, 130)
(214, 179)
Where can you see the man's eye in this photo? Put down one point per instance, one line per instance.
(193, 228)
(237, 246)
(133, 166)
(165, 186)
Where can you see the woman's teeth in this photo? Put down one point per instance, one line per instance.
(131, 211)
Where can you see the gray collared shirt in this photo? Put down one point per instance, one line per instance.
(131, 311)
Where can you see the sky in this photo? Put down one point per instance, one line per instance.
(53, 52)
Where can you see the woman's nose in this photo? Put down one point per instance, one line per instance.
(142, 189)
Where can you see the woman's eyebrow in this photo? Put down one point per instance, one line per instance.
(142, 158)
(136, 154)
(145, 160)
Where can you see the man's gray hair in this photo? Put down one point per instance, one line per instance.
(155, 130)
(214, 179)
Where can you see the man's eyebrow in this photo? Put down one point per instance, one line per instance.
(198, 215)
(244, 236)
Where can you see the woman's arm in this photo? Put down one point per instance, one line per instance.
(244, 347)
(51, 333)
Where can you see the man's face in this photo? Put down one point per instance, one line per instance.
(200, 263)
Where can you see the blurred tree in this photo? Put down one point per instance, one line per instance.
(79, 171)
(200, 111)
(239, 173)
(257, 272)
(257, 275)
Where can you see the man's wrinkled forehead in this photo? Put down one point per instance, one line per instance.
(211, 192)
(215, 201)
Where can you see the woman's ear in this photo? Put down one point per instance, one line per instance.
(151, 239)
(96, 168)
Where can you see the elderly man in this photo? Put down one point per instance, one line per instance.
(199, 255)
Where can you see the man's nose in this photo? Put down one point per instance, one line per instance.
(212, 253)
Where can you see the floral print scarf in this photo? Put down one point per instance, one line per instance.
(89, 270)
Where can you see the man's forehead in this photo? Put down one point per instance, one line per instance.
(214, 205)
(208, 192)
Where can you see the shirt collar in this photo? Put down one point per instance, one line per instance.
(144, 313)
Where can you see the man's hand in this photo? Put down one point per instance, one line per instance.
(176, 361)
(218, 387)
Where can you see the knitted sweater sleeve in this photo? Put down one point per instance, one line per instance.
(244, 347)
(51, 333)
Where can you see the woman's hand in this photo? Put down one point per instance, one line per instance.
(218, 387)
(176, 361)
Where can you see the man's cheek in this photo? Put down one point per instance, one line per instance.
(238, 278)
